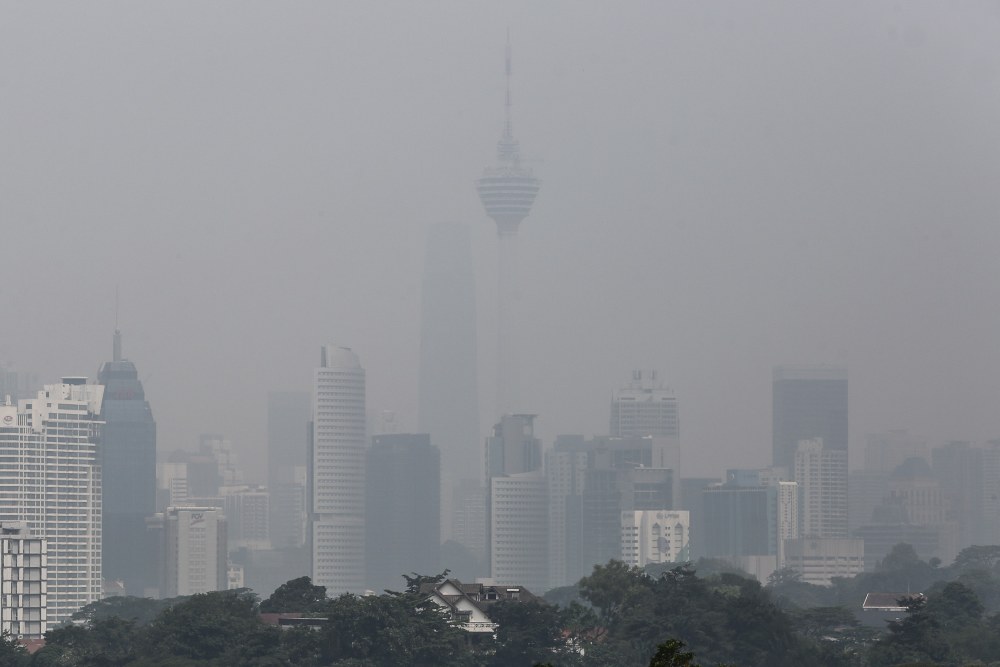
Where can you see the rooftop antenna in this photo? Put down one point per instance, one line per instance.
(508, 130)
(117, 353)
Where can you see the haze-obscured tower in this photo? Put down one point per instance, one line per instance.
(448, 395)
(507, 191)
(809, 402)
(287, 434)
(128, 469)
(644, 407)
(337, 472)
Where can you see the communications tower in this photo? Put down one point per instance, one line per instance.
(507, 191)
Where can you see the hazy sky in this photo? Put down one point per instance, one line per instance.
(726, 186)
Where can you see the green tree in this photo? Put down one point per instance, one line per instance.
(671, 654)
(528, 631)
(11, 652)
(297, 595)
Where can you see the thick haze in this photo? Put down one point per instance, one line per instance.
(726, 187)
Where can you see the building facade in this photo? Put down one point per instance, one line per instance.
(403, 521)
(655, 537)
(128, 475)
(809, 402)
(194, 547)
(644, 407)
(821, 474)
(337, 473)
(288, 414)
(24, 574)
(50, 479)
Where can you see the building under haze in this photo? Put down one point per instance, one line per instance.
(128, 475)
(644, 407)
(821, 474)
(507, 190)
(809, 402)
(24, 574)
(194, 546)
(337, 472)
(517, 504)
(55, 488)
(402, 518)
(288, 414)
(449, 392)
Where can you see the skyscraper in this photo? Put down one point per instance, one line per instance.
(809, 402)
(507, 191)
(337, 472)
(24, 581)
(448, 394)
(517, 504)
(644, 407)
(821, 474)
(50, 478)
(128, 471)
(402, 521)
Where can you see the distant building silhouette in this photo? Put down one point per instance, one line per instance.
(809, 402)
(644, 407)
(287, 433)
(128, 471)
(401, 504)
(449, 391)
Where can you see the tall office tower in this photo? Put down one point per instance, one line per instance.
(128, 471)
(565, 472)
(691, 501)
(449, 391)
(468, 519)
(287, 431)
(337, 474)
(644, 407)
(50, 478)
(194, 545)
(809, 402)
(517, 504)
(507, 191)
(822, 477)
(220, 449)
(402, 520)
(24, 573)
(787, 515)
(959, 467)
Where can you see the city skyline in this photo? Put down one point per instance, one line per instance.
(704, 211)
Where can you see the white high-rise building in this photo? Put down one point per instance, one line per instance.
(822, 477)
(337, 466)
(24, 582)
(194, 551)
(655, 536)
(519, 523)
(50, 478)
(787, 515)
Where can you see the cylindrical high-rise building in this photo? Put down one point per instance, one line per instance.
(337, 472)
(507, 191)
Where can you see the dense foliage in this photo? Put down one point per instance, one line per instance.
(618, 616)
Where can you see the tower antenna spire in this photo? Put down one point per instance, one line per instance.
(117, 344)
(508, 130)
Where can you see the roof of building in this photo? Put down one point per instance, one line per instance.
(887, 601)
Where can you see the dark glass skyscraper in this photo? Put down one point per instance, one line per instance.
(401, 503)
(287, 443)
(809, 402)
(128, 470)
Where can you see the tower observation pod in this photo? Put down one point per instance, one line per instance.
(507, 191)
